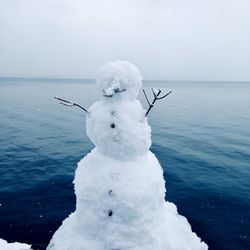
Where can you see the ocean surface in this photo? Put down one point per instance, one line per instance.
(201, 136)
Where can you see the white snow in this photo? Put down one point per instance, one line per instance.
(119, 129)
(122, 76)
(119, 185)
(4, 245)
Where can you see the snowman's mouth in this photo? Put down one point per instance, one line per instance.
(114, 87)
(109, 92)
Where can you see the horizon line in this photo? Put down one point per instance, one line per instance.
(93, 80)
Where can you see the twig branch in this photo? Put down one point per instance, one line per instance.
(144, 92)
(156, 97)
(70, 104)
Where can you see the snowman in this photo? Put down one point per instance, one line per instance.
(119, 185)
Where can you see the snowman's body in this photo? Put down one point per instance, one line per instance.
(119, 185)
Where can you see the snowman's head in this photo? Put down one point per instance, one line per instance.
(119, 80)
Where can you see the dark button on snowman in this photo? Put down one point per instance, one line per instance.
(119, 185)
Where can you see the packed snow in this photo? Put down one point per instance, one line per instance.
(4, 245)
(119, 129)
(119, 185)
(119, 77)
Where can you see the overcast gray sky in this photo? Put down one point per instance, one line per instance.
(166, 39)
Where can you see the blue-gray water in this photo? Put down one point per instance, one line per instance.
(201, 136)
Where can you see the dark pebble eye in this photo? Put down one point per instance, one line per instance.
(110, 213)
(112, 125)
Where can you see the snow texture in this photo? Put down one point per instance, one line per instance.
(119, 129)
(4, 245)
(119, 185)
(119, 77)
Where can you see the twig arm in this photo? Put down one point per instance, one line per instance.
(150, 106)
(156, 97)
(144, 92)
(62, 100)
(70, 104)
(159, 98)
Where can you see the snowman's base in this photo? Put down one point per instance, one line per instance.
(174, 233)
(121, 206)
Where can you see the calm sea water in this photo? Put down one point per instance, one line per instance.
(201, 136)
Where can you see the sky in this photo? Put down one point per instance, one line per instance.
(200, 40)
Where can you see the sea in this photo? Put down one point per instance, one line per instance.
(200, 134)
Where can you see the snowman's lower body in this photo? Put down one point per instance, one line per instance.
(120, 206)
